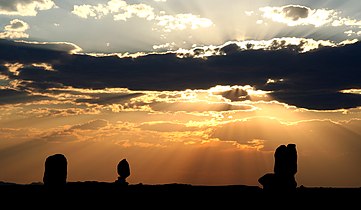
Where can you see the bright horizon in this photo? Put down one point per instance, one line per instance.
(198, 92)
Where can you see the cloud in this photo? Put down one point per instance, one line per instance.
(17, 25)
(352, 91)
(234, 95)
(346, 22)
(300, 45)
(109, 98)
(44, 66)
(91, 125)
(168, 46)
(14, 68)
(47, 109)
(295, 44)
(122, 11)
(15, 30)
(85, 11)
(70, 133)
(25, 7)
(139, 10)
(9, 96)
(42, 47)
(308, 80)
(182, 21)
(125, 134)
(294, 15)
(295, 12)
(122, 100)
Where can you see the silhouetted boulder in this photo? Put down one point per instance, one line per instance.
(268, 181)
(123, 172)
(285, 168)
(55, 173)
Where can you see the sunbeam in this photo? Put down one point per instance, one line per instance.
(194, 91)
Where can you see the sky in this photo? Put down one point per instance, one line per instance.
(199, 92)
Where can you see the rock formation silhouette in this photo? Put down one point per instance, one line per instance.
(55, 173)
(285, 168)
(123, 172)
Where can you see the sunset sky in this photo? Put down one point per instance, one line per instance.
(188, 91)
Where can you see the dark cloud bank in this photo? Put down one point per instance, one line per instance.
(310, 80)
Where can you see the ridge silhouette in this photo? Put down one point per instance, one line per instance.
(90, 192)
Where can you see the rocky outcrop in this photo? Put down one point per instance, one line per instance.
(123, 172)
(285, 168)
(55, 173)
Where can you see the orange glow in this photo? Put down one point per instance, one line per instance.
(224, 135)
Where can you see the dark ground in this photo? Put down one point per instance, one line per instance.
(170, 196)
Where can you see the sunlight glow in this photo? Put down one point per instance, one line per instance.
(175, 122)
(300, 45)
(14, 67)
(45, 66)
(352, 91)
(71, 48)
(272, 81)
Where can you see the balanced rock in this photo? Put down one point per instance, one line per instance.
(123, 172)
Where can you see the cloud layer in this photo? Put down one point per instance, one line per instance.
(309, 80)
(122, 11)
